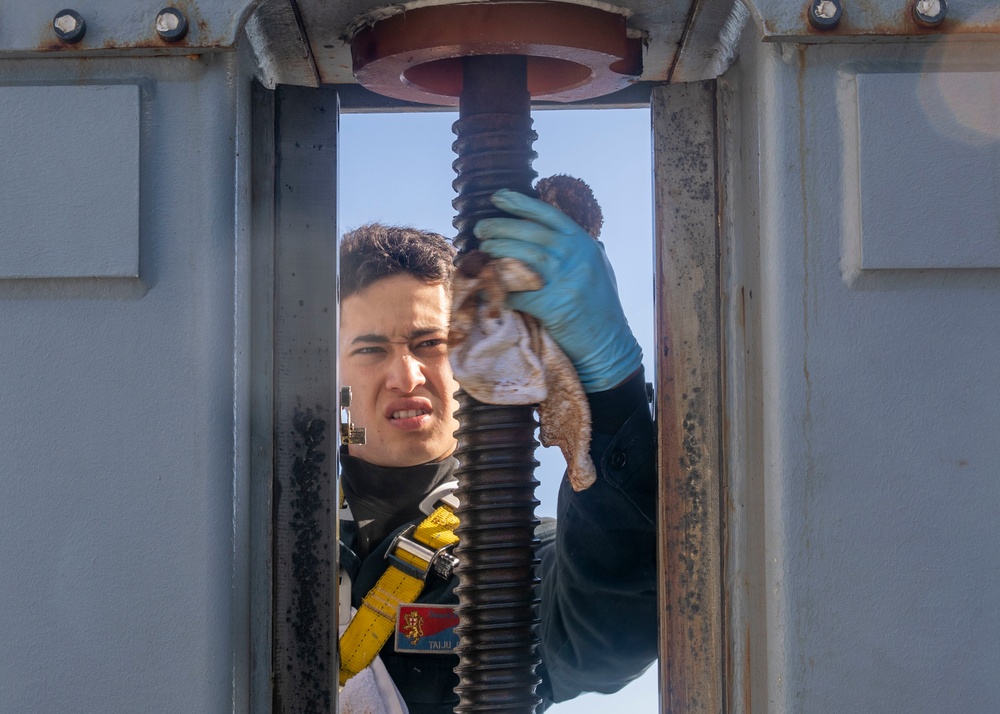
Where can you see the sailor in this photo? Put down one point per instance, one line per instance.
(598, 611)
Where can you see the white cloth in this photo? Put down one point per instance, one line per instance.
(370, 691)
(501, 356)
(496, 363)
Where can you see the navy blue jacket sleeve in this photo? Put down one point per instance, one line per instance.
(598, 576)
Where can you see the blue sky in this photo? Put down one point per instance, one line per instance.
(396, 168)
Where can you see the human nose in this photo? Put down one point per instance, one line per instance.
(405, 374)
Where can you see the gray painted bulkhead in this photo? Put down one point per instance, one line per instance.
(124, 522)
(169, 322)
(860, 288)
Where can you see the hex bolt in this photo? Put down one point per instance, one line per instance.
(825, 14)
(171, 25)
(930, 13)
(69, 26)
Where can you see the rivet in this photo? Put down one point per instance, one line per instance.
(171, 25)
(69, 26)
(930, 13)
(824, 14)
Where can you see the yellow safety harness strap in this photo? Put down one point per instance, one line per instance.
(402, 582)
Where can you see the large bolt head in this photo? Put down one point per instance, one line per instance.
(171, 25)
(825, 14)
(930, 13)
(69, 26)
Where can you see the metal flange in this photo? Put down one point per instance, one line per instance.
(574, 51)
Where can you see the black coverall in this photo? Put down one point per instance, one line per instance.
(598, 567)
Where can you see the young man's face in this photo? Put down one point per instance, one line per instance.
(394, 356)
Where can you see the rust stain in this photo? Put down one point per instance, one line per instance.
(746, 677)
(910, 28)
(198, 37)
(808, 26)
(149, 43)
(900, 23)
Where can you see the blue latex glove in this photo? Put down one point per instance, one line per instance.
(579, 303)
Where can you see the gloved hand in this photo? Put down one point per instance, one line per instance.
(579, 303)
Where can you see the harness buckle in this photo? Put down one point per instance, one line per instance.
(440, 561)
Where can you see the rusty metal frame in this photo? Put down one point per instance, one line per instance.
(688, 400)
(295, 228)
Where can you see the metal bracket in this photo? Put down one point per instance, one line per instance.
(349, 434)
(440, 561)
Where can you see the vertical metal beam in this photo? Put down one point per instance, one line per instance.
(262, 400)
(305, 400)
(689, 401)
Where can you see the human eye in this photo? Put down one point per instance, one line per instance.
(368, 350)
(432, 345)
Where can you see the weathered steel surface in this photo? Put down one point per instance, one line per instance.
(261, 396)
(305, 400)
(575, 52)
(116, 26)
(708, 45)
(280, 44)
(688, 403)
(867, 432)
(871, 20)
(660, 25)
(305, 41)
(124, 548)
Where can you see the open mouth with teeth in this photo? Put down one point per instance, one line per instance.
(408, 413)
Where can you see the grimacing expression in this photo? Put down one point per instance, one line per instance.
(394, 356)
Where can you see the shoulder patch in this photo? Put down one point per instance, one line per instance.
(426, 628)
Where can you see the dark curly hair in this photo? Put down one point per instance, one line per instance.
(375, 251)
